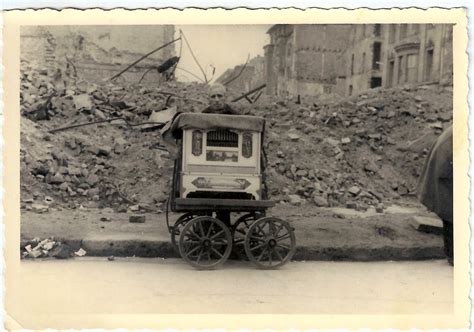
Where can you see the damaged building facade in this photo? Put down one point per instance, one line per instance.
(387, 55)
(418, 53)
(96, 53)
(310, 60)
(304, 59)
(363, 67)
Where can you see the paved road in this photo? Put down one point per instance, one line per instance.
(55, 288)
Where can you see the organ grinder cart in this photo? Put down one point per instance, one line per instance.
(219, 186)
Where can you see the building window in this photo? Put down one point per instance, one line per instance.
(375, 82)
(412, 62)
(403, 31)
(391, 68)
(350, 90)
(415, 29)
(362, 63)
(377, 49)
(429, 65)
(377, 30)
(401, 67)
(391, 33)
(352, 64)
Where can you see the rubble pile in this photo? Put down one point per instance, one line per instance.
(111, 163)
(361, 151)
(358, 152)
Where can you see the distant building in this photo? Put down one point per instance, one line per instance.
(417, 53)
(244, 77)
(347, 59)
(364, 58)
(304, 59)
(396, 54)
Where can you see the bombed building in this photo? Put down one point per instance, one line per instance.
(246, 76)
(96, 52)
(363, 58)
(310, 60)
(304, 59)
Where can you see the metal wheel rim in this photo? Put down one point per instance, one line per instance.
(205, 242)
(270, 243)
(178, 228)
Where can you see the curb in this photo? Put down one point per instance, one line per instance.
(164, 249)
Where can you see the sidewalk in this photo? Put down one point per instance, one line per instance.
(321, 234)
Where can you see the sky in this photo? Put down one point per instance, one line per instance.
(221, 46)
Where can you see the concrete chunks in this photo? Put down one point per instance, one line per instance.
(49, 247)
(82, 101)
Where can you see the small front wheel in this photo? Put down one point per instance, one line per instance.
(270, 242)
(240, 229)
(205, 242)
(177, 228)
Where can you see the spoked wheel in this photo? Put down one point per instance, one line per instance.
(178, 228)
(239, 230)
(270, 242)
(205, 242)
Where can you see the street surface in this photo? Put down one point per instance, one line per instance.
(141, 286)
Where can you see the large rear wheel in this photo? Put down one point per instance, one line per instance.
(270, 242)
(205, 242)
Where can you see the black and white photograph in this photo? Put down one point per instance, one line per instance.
(277, 168)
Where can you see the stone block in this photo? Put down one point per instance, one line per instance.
(351, 205)
(354, 190)
(82, 102)
(433, 225)
(56, 179)
(139, 219)
(295, 199)
(320, 201)
(63, 186)
(331, 141)
(39, 208)
(92, 179)
(294, 137)
(345, 140)
(104, 150)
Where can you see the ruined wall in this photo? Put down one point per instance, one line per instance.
(97, 52)
(304, 59)
(38, 47)
(269, 75)
(258, 78)
(247, 78)
(243, 82)
(317, 52)
(447, 56)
